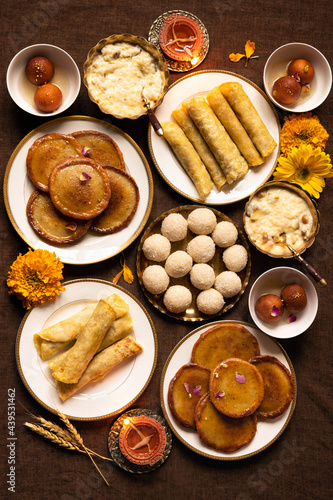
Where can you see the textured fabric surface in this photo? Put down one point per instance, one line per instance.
(298, 464)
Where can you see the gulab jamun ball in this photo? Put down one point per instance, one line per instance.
(39, 70)
(48, 97)
(302, 70)
(286, 90)
(294, 298)
(269, 308)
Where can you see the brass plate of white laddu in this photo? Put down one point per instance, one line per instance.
(92, 247)
(169, 167)
(192, 313)
(267, 431)
(118, 389)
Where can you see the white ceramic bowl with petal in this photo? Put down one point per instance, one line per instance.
(277, 64)
(66, 76)
(273, 281)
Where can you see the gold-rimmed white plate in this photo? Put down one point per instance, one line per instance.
(267, 431)
(192, 313)
(118, 389)
(201, 83)
(91, 247)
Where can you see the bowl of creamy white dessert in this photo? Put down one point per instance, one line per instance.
(119, 69)
(278, 213)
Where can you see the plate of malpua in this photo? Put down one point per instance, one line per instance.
(90, 354)
(221, 137)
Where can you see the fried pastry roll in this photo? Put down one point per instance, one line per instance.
(224, 149)
(68, 367)
(118, 329)
(249, 117)
(235, 129)
(101, 364)
(188, 157)
(192, 133)
(55, 338)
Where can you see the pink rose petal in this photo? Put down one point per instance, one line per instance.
(275, 311)
(291, 318)
(240, 378)
(196, 390)
(85, 151)
(84, 177)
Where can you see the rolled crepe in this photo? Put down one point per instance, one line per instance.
(69, 366)
(55, 338)
(118, 329)
(249, 117)
(223, 148)
(188, 157)
(235, 129)
(192, 133)
(101, 364)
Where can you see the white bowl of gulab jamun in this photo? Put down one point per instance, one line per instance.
(297, 77)
(43, 80)
(283, 302)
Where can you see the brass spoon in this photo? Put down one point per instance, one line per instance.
(282, 240)
(152, 117)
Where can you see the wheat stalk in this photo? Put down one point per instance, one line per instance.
(53, 437)
(70, 438)
(72, 430)
(62, 433)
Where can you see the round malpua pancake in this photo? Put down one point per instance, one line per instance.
(279, 386)
(181, 398)
(222, 341)
(51, 224)
(236, 388)
(221, 432)
(46, 152)
(79, 188)
(103, 148)
(122, 205)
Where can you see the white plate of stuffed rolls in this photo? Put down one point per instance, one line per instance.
(106, 393)
(214, 122)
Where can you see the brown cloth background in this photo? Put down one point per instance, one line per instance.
(299, 464)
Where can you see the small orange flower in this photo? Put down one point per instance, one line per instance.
(249, 51)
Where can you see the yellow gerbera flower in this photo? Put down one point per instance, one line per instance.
(302, 129)
(36, 277)
(306, 167)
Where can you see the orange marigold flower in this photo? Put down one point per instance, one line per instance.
(36, 277)
(301, 130)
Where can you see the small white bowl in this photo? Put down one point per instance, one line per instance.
(273, 281)
(66, 76)
(277, 64)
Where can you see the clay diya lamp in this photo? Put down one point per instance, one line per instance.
(142, 440)
(181, 38)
